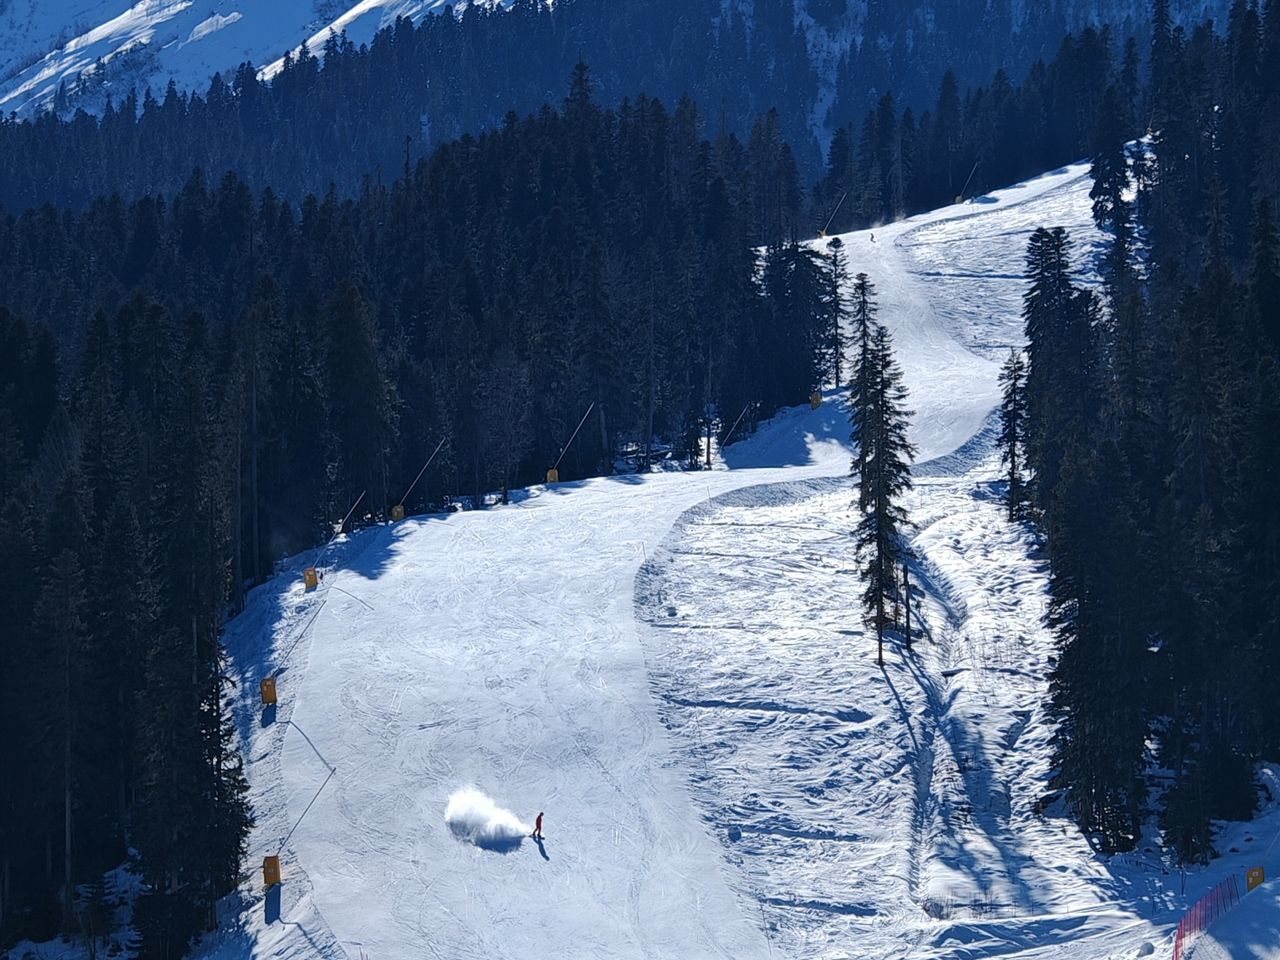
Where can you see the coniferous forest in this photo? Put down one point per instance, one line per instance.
(217, 376)
(1149, 424)
(345, 113)
(225, 318)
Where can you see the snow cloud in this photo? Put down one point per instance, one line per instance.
(474, 817)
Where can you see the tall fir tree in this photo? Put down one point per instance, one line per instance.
(1013, 430)
(880, 420)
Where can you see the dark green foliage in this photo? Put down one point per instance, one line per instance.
(233, 373)
(1151, 440)
(882, 460)
(346, 114)
(970, 142)
(113, 673)
(837, 313)
(1013, 430)
(861, 378)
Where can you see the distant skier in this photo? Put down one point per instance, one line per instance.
(873, 238)
(537, 827)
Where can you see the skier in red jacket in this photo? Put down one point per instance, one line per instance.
(537, 827)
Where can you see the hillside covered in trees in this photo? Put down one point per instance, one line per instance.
(1149, 418)
(226, 374)
(345, 112)
(207, 355)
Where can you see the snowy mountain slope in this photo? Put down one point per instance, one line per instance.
(150, 42)
(47, 43)
(672, 667)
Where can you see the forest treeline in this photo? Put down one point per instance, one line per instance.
(897, 161)
(193, 387)
(345, 113)
(1142, 433)
(200, 372)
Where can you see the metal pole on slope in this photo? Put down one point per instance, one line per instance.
(332, 771)
(271, 864)
(735, 424)
(422, 471)
(555, 467)
(839, 203)
(342, 526)
(967, 180)
(311, 572)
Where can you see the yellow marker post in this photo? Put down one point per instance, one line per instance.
(270, 871)
(268, 687)
(310, 579)
(1254, 877)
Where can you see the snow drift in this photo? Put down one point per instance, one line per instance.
(474, 817)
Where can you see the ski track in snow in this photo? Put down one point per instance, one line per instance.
(674, 668)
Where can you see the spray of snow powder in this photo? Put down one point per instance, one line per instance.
(474, 817)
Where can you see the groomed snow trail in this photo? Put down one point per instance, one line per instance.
(672, 667)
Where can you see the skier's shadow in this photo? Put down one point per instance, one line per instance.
(541, 849)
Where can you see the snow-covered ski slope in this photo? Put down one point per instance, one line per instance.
(1250, 932)
(673, 668)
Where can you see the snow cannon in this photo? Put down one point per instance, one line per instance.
(397, 513)
(553, 475)
(815, 401)
(270, 871)
(310, 579)
(1254, 877)
(268, 688)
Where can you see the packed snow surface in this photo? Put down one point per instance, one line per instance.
(1250, 932)
(673, 668)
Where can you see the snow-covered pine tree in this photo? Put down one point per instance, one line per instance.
(1061, 360)
(1013, 429)
(1110, 173)
(881, 419)
(864, 323)
(837, 277)
(1098, 681)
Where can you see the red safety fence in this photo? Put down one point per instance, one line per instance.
(1203, 912)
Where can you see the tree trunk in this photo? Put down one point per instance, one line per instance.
(607, 454)
(253, 470)
(906, 600)
(648, 434)
(880, 622)
(237, 539)
(67, 897)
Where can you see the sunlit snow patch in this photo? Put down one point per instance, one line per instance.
(212, 25)
(474, 817)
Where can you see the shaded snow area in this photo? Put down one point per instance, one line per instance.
(1250, 932)
(673, 667)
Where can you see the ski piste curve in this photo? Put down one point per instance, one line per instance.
(509, 649)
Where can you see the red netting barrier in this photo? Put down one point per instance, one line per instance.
(1203, 912)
